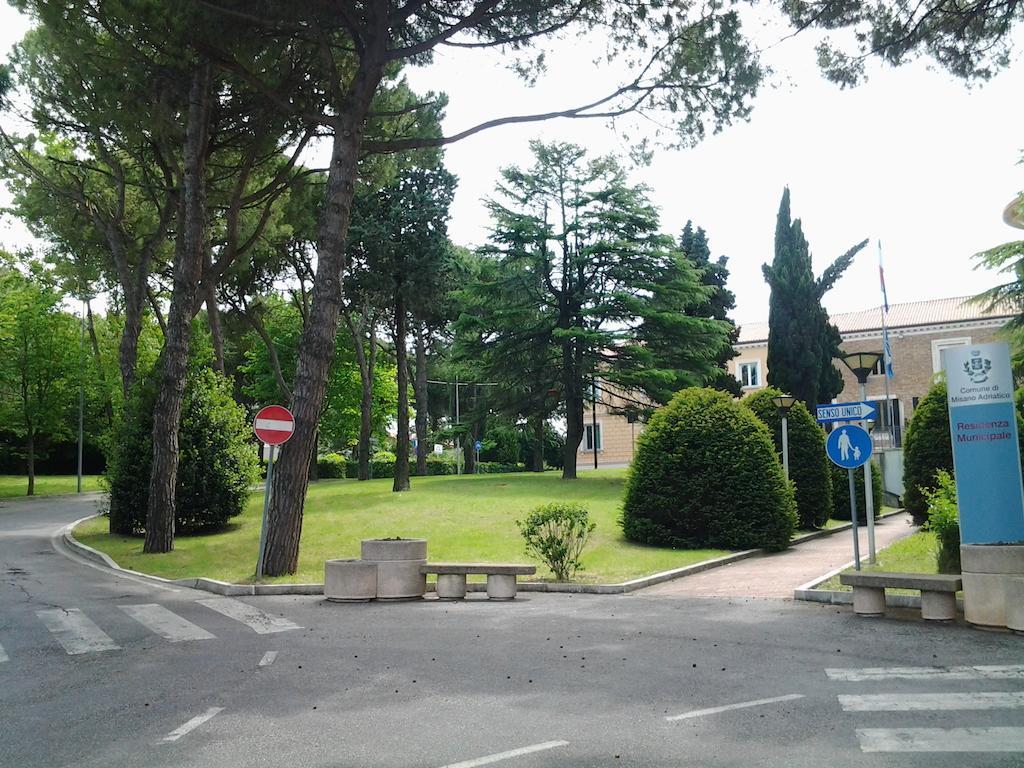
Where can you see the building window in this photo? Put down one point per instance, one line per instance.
(940, 344)
(749, 374)
(588, 437)
(879, 369)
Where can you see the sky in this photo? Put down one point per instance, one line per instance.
(912, 158)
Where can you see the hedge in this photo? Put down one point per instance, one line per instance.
(808, 464)
(217, 457)
(435, 466)
(331, 466)
(706, 475)
(927, 448)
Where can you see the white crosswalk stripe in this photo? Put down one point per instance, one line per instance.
(963, 738)
(3, 655)
(76, 632)
(873, 674)
(918, 702)
(165, 623)
(941, 739)
(258, 621)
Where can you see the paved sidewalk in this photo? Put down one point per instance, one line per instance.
(778, 574)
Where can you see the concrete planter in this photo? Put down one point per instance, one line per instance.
(350, 581)
(398, 563)
(987, 572)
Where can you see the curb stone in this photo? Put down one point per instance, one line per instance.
(229, 589)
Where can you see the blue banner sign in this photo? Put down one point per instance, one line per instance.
(986, 455)
(849, 446)
(860, 411)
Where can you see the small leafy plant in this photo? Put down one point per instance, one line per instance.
(556, 534)
(944, 520)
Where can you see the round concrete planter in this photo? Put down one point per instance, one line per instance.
(987, 571)
(350, 581)
(398, 563)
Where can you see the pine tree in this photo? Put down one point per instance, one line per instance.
(802, 342)
(715, 274)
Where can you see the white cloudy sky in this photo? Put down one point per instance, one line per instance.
(912, 158)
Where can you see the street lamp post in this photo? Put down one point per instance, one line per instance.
(861, 364)
(784, 403)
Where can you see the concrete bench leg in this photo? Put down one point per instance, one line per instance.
(869, 601)
(938, 606)
(451, 586)
(501, 586)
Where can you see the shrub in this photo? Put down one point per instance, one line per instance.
(217, 457)
(808, 464)
(926, 450)
(331, 465)
(944, 520)
(383, 456)
(556, 534)
(498, 467)
(841, 492)
(706, 475)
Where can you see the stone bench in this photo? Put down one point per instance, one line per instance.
(501, 578)
(938, 592)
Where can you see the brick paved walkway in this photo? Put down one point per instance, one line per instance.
(778, 574)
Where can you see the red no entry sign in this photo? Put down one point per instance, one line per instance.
(274, 424)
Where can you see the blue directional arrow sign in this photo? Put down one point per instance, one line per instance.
(849, 446)
(860, 411)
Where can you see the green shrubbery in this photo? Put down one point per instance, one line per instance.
(927, 448)
(808, 463)
(556, 534)
(436, 465)
(944, 520)
(841, 492)
(706, 475)
(331, 466)
(217, 457)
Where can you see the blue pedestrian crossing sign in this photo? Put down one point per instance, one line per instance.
(849, 446)
(477, 446)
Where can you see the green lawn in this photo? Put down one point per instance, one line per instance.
(14, 486)
(470, 518)
(914, 554)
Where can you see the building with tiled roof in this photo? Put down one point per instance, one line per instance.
(918, 332)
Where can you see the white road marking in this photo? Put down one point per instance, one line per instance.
(488, 759)
(727, 707)
(941, 739)
(165, 623)
(192, 724)
(1003, 672)
(76, 632)
(255, 619)
(916, 702)
(278, 425)
(268, 658)
(3, 655)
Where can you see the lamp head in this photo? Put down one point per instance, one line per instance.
(861, 364)
(784, 403)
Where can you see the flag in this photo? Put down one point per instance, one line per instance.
(881, 278)
(887, 353)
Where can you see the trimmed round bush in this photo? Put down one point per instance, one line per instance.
(927, 448)
(556, 534)
(808, 464)
(841, 492)
(706, 475)
(217, 457)
(331, 466)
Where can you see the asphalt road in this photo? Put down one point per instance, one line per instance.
(90, 678)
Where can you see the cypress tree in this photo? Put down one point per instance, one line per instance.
(802, 342)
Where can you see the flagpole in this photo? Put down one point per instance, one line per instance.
(886, 349)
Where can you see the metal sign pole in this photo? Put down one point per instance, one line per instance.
(853, 518)
(869, 495)
(266, 510)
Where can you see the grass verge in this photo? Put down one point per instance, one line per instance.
(470, 518)
(914, 554)
(16, 486)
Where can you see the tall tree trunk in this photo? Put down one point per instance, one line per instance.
(317, 343)
(538, 444)
(573, 408)
(366, 374)
(188, 263)
(30, 455)
(108, 407)
(401, 361)
(213, 315)
(420, 389)
(128, 350)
